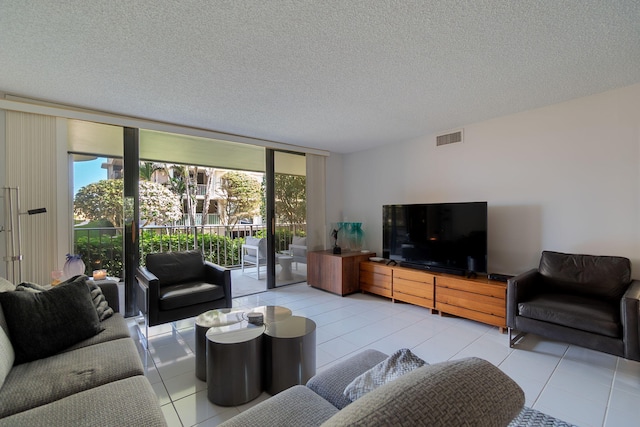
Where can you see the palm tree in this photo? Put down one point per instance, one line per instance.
(208, 191)
(147, 170)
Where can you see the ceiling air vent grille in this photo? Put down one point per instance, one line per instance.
(449, 138)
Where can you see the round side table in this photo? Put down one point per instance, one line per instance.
(285, 267)
(289, 352)
(234, 363)
(210, 319)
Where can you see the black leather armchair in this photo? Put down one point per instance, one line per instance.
(178, 285)
(585, 300)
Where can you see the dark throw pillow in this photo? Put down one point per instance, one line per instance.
(98, 298)
(31, 287)
(43, 323)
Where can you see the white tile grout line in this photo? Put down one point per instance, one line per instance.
(613, 381)
(550, 376)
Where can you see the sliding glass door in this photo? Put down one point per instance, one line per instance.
(202, 193)
(290, 208)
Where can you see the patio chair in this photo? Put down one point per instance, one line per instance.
(254, 252)
(298, 250)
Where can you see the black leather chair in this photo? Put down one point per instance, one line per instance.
(177, 285)
(585, 300)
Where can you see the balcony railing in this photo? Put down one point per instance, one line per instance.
(102, 248)
(212, 219)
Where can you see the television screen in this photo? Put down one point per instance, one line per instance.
(446, 237)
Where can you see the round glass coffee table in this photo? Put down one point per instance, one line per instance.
(289, 352)
(270, 313)
(234, 363)
(235, 355)
(205, 321)
(225, 317)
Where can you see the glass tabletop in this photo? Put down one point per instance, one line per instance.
(271, 313)
(220, 317)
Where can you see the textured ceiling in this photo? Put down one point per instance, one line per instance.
(335, 75)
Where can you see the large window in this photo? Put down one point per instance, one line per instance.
(194, 192)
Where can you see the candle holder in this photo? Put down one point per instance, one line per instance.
(99, 274)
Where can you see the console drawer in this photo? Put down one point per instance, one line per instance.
(473, 299)
(413, 287)
(376, 279)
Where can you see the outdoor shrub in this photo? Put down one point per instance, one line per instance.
(103, 248)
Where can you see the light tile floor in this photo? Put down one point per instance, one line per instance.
(247, 282)
(580, 386)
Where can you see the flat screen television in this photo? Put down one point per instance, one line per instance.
(442, 237)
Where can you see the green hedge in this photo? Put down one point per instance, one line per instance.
(220, 250)
(103, 250)
(100, 251)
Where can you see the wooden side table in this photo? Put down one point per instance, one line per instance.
(336, 273)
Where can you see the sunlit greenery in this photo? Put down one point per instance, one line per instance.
(104, 200)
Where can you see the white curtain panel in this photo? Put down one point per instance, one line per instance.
(32, 165)
(316, 202)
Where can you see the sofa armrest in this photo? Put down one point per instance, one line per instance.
(468, 391)
(520, 288)
(145, 276)
(219, 276)
(110, 291)
(250, 250)
(148, 290)
(630, 310)
(330, 383)
(295, 406)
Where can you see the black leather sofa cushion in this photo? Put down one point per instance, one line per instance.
(186, 294)
(176, 267)
(599, 276)
(574, 311)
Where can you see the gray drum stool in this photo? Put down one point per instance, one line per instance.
(205, 321)
(290, 353)
(234, 363)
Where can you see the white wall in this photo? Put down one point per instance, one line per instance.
(3, 252)
(563, 177)
(334, 190)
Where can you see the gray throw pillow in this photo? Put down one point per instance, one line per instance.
(7, 355)
(42, 324)
(6, 286)
(399, 363)
(99, 301)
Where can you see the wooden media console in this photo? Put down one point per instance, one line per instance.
(478, 299)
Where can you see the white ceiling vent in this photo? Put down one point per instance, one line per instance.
(449, 138)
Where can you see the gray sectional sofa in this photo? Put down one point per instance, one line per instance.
(468, 391)
(96, 381)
